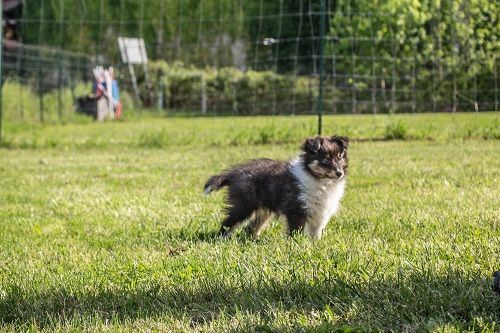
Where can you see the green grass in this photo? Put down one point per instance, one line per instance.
(103, 227)
(161, 132)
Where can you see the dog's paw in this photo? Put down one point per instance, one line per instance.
(224, 232)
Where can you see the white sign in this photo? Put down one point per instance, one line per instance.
(133, 50)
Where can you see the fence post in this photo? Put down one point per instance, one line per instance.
(413, 84)
(59, 86)
(41, 107)
(60, 62)
(39, 65)
(321, 66)
(161, 90)
(495, 82)
(393, 72)
(1, 65)
(203, 95)
(374, 79)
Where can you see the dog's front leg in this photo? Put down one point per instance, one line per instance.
(314, 229)
(296, 222)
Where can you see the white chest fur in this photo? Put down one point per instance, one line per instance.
(321, 198)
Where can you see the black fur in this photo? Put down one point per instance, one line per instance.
(496, 282)
(261, 183)
(261, 187)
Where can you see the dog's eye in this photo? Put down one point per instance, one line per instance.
(326, 160)
(339, 156)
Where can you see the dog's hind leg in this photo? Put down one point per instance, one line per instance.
(235, 216)
(259, 222)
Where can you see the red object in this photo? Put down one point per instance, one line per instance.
(118, 110)
(98, 90)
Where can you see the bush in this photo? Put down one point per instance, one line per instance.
(231, 91)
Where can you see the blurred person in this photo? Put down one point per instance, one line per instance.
(101, 93)
(115, 95)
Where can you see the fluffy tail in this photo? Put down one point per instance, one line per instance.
(215, 183)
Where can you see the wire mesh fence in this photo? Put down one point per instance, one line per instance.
(256, 57)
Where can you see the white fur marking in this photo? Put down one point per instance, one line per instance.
(208, 189)
(321, 198)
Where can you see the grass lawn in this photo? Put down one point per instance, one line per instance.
(103, 227)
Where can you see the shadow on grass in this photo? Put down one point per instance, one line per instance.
(407, 301)
(203, 235)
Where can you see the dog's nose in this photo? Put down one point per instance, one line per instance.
(339, 173)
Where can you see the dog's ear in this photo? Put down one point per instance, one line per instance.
(341, 141)
(312, 145)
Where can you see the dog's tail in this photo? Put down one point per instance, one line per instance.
(215, 183)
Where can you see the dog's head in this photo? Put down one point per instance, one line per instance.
(326, 157)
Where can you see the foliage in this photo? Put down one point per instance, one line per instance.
(408, 55)
(436, 51)
(230, 91)
(172, 29)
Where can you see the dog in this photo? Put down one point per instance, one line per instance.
(307, 190)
